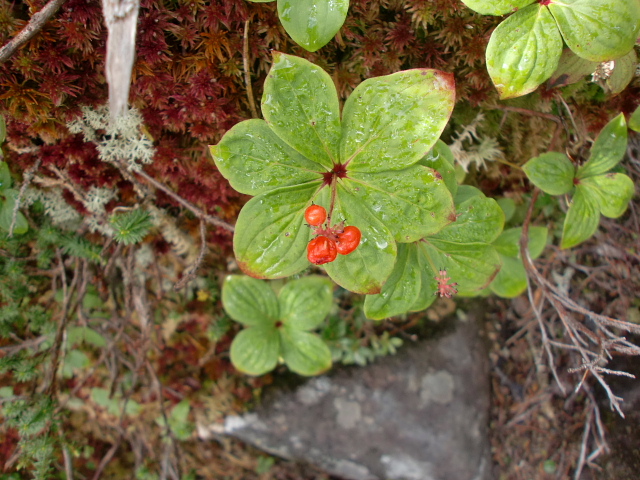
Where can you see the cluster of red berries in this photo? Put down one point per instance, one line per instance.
(329, 241)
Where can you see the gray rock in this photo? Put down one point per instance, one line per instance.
(420, 415)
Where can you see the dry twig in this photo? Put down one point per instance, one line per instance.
(190, 273)
(33, 27)
(582, 338)
(199, 213)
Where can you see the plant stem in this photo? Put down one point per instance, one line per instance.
(334, 188)
(245, 64)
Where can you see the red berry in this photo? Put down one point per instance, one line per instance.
(315, 215)
(321, 250)
(348, 240)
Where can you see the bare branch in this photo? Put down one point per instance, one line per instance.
(524, 241)
(190, 274)
(33, 27)
(199, 213)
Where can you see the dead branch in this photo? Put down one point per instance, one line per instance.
(33, 27)
(199, 213)
(581, 337)
(190, 274)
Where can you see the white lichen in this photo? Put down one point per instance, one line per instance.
(117, 141)
(470, 147)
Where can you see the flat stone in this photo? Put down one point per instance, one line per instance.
(419, 415)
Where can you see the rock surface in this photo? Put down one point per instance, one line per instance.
(419, 415)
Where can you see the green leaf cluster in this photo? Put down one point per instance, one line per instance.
(596, 189)
(131, 227)
(278, 326)
(463, 249)
(33, 419)
(526, 48)
(363, 167)
(311, 23)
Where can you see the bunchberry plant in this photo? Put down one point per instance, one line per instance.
(525, 49)
(461, 253)
(595, 187)
(278, 325)
(311, 23)
(364, 165)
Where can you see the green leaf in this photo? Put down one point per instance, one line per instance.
(114, 405)
(427, 294)
(305, 303)
(496, 7)
(304, 352)
(366, 269)
(6, 213)
(6, 392)
(271, 234)
(5, 176)
(571, 69)
(479, 219)
(300, 104)
(634, 121)
(508, 206)
(255, 350)
(412, 203)
(74, 360)
(255, 160)
(442, 161)
(613, 192)
(466, 192)
(178, 420)
(391, 122)
(598, 30)
(523, 51)
(511, 280)
(76, 335)
(551, 172)
(249, 301)
(312, 23)
(471, 265)
(401, 290)
(607, 150)
(3, 129)
(623, 71)
(508, 243)
(131, 227)
(582, 218)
